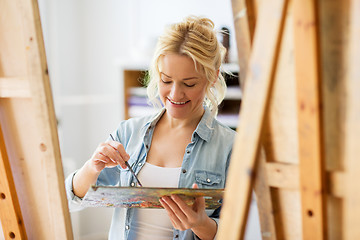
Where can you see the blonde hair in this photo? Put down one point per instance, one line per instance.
(196, 38)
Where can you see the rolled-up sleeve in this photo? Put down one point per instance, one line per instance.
(73, 200)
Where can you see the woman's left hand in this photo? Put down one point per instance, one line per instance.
(184, 217)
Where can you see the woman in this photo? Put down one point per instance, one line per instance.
(181, 146)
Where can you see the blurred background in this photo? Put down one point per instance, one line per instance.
(88, 43)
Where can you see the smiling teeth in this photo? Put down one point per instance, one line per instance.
(179, 103)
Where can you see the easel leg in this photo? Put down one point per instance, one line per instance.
(10, 212)
(243, 164)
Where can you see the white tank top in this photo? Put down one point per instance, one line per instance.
(154, 223)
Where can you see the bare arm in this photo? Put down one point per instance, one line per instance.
(83, 179)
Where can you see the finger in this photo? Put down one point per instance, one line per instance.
(173, 218)
(106, 159)
(184, 208)
(114, 155)
(102, 157)
(168, 209)
(111, 152)
(170, 213)
(98, 156)
(100, 162)
(97, 161)
(199, 201)
(105, 150)
(121, 153)
(120, 149)
(174, 208)
(199, 204)
(181, 213)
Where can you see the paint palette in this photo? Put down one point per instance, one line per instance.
(145, 197)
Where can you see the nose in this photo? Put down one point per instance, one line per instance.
(176, 92)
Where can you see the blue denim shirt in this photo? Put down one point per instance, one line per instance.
(205, 162)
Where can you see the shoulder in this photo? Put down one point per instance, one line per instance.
(223, 132)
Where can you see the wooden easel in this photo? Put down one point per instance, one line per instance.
(33, 204)
(297, 142)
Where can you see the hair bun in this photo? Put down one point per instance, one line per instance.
(200, 20)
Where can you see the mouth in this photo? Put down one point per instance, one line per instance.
(178, 103)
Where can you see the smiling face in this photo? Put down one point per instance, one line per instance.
(181, 87)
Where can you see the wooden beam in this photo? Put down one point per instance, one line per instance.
(286, 176)
(264, 200)
(10, 212)
(335, 182)
(255, 102)
(312, 167)
(283, 175)
(14, 87)
(352, 130)
(244, 23)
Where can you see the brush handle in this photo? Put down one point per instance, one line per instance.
(128, 165)
(133, 173)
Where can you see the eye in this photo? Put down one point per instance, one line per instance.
(189, 85)
(166, 82)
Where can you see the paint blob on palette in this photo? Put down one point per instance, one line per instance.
(145, 197)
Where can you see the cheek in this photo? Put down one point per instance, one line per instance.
(201, 92)
(163, 91)
(198, 95)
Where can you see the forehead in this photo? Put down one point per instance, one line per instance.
(176, 65)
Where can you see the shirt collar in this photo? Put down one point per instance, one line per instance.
(205, 126)
(204, 129)
(154, 119)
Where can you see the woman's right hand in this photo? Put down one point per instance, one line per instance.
(108, 154)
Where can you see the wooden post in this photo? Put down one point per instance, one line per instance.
(257, 91)
(244, 23)
(27, 118)
(312, 167)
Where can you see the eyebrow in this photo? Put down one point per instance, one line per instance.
(189, 78)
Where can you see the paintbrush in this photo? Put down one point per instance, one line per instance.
(128, 165)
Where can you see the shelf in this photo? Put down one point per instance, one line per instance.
(138, 91)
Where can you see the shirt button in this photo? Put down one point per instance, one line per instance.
(184, 170)
(140, 164)
(132, 184)
(127, 227)
(208, 180)
(147, 146)
(176, 236)
(187, 151)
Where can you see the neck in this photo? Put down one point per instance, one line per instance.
(176, 123)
